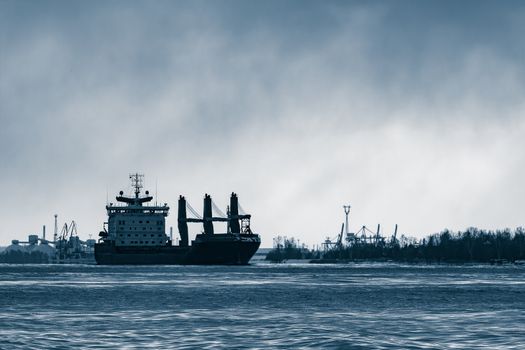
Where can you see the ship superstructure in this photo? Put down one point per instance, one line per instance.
(134, 224)
(136, 233)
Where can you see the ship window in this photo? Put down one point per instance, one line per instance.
(147, 222)
(122, 242)
(146, 242)
(136, 234)
(160, 235)
(129, 235)
(144, 228)
(152, 235)
(120, 235)
(141, 242)
(140, 222)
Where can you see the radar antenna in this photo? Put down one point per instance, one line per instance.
(137, 181)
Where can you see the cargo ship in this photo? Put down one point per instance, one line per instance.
(135, 233)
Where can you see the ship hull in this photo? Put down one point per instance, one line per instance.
(205, 250)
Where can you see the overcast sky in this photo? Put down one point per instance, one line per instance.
(412, 112)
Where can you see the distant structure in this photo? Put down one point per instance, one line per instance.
(350, 237)
(71, 249)
(56, 228)
(364, 236)
(29, 251)
(66, 248)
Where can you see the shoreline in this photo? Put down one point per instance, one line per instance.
(497, 262)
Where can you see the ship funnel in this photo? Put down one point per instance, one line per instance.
(182, 223)
(207, 217)
(234, 214)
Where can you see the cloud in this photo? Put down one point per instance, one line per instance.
(411, 114)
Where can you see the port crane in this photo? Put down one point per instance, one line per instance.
(68, 244)
(363, 236)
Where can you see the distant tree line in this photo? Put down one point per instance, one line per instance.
(289, 248)
(471, 245)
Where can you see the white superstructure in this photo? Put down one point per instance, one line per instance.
(137, 224)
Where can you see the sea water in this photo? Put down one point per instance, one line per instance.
(262, 306)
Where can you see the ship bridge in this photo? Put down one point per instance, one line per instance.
(134, 222)
(135, 204)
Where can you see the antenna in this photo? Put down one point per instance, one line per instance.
(156, 192)
(137, 181)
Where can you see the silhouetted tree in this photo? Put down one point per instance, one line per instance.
(471, 245)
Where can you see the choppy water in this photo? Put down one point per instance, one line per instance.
(358, 306)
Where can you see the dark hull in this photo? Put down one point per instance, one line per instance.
(211, 250)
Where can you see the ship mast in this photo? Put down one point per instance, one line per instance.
(137, 181)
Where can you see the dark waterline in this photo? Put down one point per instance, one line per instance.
(354, 306)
